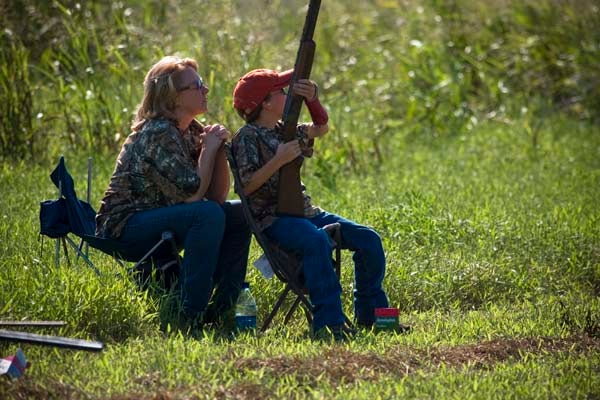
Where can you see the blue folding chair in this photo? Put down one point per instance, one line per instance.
(68, 214)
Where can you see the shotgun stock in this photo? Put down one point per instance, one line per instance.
(290, 200)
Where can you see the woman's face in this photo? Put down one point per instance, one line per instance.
(191, 92)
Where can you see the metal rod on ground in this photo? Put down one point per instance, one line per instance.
(37, 324)
(47, 340)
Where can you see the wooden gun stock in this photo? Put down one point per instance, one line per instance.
(290, 200)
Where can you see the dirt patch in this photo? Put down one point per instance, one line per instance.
(337, 365)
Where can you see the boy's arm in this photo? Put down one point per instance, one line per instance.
(286, 152)
(318, 113)
(315, 131)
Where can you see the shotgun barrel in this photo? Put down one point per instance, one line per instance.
(290, 200)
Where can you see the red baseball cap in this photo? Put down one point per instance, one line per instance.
(252, 88)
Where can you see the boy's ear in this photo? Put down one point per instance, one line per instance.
(266, 104)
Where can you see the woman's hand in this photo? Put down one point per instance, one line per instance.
(214, 136)
(218, 130)
(213, 184)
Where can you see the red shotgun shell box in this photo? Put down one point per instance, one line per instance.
(386, 318)
(386, 312)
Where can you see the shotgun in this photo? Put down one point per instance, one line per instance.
(290, 201)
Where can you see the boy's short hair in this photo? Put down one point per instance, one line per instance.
(254, 87)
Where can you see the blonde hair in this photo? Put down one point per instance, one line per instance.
(160, 91)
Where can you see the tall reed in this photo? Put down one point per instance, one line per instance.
(389, 70)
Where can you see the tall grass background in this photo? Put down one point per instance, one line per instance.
(72, 71)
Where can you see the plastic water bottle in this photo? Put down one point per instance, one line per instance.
(245, 309)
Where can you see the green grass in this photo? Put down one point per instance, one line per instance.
(486, 242)
(465, 133)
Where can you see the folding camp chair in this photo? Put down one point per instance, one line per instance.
(68, 214)
(286, 266)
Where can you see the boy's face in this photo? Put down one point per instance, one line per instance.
(276, 102)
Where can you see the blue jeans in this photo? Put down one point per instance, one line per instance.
(306, 236)
(215, 239)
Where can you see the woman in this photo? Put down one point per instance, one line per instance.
(172, 174)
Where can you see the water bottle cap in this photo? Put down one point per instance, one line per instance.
(245, 285)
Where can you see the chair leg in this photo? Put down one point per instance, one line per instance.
(334, 231)
(57, 252)
(82, 249)
(308, 314)
(306, 306)
(64, 243)
(165, 236)
(338, 262)
(276, 307)
(349, 323)
(291, 310)
(149, 252)
(168, 236)
(80, 254)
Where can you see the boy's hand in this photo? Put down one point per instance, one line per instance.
(306, 88)
(287, 152)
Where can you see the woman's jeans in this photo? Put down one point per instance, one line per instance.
(306, 236)
(215, 239)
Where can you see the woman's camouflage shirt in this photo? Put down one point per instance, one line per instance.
(155, 168)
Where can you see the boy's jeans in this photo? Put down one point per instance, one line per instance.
(215, 239)
(306, 236)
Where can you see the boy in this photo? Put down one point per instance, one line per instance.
(259, 98)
